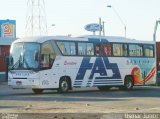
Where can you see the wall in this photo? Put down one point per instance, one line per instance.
(7, 36)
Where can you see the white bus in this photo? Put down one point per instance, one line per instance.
(59, 62)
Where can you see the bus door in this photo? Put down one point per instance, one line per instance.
(45, 72)
(47, 58)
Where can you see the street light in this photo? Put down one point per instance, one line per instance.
(109, 6)
(155, 29)
(51, 26)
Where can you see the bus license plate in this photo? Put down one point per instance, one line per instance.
(18, 83)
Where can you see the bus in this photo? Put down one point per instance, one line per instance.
(63, 62)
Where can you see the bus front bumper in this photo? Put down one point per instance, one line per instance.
(23, 83)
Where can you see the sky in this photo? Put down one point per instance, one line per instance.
(71, 16)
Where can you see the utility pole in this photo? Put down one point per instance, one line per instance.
(36, 23)
(103, 28)
(100, 28)
(100, 25)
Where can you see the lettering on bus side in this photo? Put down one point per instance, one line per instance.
(100, 66)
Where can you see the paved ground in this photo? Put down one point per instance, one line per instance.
(140, 99)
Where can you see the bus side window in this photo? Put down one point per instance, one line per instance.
(47, 55)
(82, 49)
(107, 50)
(90, 49)
(148, 51)
(98, 49)
(44, 60)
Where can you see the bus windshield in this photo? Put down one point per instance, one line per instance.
(24, 56)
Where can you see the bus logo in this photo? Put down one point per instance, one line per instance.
(100, 66)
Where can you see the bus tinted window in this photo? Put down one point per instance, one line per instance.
(67, 48)
(135, 50)
(107, 50)
(98, 49)
(119, 49)
(125, 50)
(85, 49)
(148, 50)
(82, 49)
(90, 49)
(47, 55)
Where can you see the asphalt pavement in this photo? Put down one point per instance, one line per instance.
(81, 100)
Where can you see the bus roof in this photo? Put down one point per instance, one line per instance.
(91, 38)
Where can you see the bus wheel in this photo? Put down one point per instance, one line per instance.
(37, 91)
(103, 88)
(128, 83)
(63, 85)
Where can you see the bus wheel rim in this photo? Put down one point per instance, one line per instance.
(128, 84)
(64, 86)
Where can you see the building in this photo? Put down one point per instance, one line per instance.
(7, 36)
(158, 61)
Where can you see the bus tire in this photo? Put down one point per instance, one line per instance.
(128, 83)
(37, 91)
(64, 85)
(104, 88)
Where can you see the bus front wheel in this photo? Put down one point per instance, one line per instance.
(63, 85)
(37, 91)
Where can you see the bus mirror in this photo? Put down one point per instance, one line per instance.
(7, 59)
(36, 56)
(10, 60)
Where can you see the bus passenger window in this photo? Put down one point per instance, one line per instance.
(135, 50)
(47, 55)
(44, 60)
(148, 51)
(67, 48)
(82, 49)
(120, 49)
(125, 50)
(97, 49)
(107, 49)
(90, 49)
(72, 48)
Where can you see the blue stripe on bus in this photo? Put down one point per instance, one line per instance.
(108, 83)
(78, 81)
(97, 40)
(78, 84)
(106, 80)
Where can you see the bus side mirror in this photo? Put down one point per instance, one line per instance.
(7, 60)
